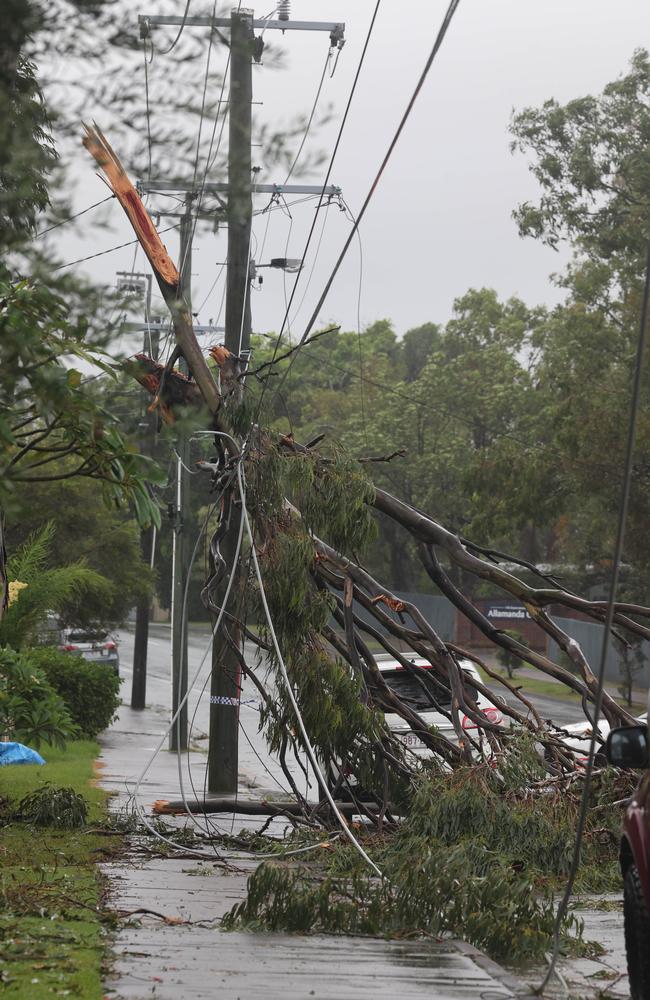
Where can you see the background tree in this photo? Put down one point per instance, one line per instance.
(104, 537)
(51, 426)
(592, 160)
(43, 589)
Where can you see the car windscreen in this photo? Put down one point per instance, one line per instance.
(423, 697)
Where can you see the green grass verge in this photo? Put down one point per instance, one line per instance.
(51, 934)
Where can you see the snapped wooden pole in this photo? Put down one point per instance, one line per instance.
(164, 269)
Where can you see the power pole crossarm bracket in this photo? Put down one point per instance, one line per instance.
(148, 21)
(209, 187)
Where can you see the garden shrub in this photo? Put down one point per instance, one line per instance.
(31, 711)
(89, 690)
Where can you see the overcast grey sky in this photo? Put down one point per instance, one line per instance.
(440, 221)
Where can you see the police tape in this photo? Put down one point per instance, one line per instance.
(221, 699)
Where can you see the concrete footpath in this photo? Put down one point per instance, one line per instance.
(180, 952)
(183, 954)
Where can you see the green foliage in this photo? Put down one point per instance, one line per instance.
(27, 155)
(106, 539)
(592, 161)
(59, 415)
(474, 857)
(468, 806)
(332, 496)
(31, 711)
(63, 808)
(47, 590)
(90, 690)
(461, 888)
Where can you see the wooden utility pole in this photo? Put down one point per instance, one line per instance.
(147, 536)
(223, 752)
(178, 734)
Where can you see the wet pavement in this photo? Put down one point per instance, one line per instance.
(180, 951)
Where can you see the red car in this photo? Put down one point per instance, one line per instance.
(628, 747)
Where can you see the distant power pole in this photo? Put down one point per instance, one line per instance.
(132, 281)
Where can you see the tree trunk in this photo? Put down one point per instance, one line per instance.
(4, 581)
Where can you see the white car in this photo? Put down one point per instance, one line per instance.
(578, 738)
(427, 698)
(423, 701)
(93, 645)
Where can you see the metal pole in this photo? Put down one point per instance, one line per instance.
(223, 750)
(147, 542)
(178, 734)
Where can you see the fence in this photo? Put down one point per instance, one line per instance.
(438, 611)
(590, 637)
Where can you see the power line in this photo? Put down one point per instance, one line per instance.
(71, 218)
(147, 105)
(212, 288)
(309, 120)
(609, 620)
(173, 45)
(183, 701)
(314, 261)
(442, 31)
(198, 145)
(363, 401)
(101, 253)
(327, 177)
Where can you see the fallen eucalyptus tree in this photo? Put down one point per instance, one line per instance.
(312, 508)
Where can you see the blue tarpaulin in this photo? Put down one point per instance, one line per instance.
(18, 753)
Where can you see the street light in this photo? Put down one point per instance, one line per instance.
(290, 264)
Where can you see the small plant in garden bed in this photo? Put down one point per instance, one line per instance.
(59, 807)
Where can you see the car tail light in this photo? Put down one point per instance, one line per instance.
(69, 647)
(493, 715)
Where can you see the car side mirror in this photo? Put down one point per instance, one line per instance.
(628, 747)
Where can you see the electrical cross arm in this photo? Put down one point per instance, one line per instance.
(336, 29)
(152, 186)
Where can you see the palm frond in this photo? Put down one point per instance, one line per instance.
(31, 558)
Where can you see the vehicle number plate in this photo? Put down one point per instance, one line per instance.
(411, 740)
